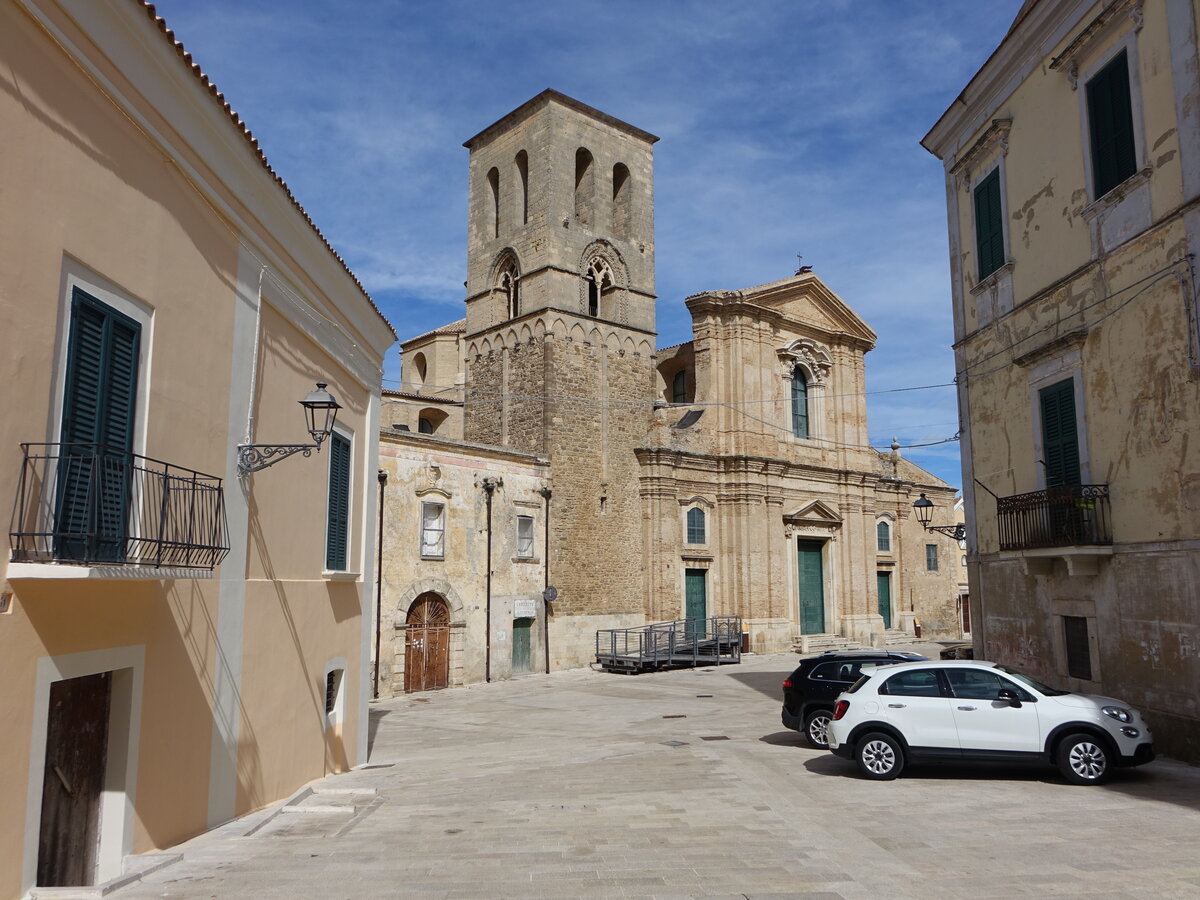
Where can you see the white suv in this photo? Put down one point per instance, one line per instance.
(971, 710)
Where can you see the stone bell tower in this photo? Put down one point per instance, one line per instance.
(560, 337)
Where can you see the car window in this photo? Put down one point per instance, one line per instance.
(844, 670)
(972, 684)
(913, 683)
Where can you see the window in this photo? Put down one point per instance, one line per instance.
(621, 211)
(493, 178)
(510, 288)
(333, 686)
(420, 368)
(679, 387)
(433, 530)
(799, 403)
(883, 537)
(989, 225)
(525, 537)
(337, 522)
(973, 684)
(424, 426)
(914, 683)
(695, 526)
(522, 164)
(1060, 434)
(931, 558)
(599, 282)
(1110, 124)
(1078, 647)
(584, 186)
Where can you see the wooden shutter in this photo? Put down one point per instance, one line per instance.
(338, 520)
(1060, 438)
(1110, 123)
(989, 225)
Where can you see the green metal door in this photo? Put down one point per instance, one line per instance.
(884, 580)
(695, 600)
(811, 578)
(520, 651)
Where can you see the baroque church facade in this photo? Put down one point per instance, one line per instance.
(729, 475)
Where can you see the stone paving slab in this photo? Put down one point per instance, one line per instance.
(592, 785)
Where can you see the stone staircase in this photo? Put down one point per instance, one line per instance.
(825, 643)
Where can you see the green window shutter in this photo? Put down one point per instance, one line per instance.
(799, 403)
(1110, 123)
(1060, 437)
(989, 225)
(338, 520)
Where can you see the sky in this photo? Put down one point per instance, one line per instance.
(786, 127)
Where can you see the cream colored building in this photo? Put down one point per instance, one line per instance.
(1072, 176)
(182, 644)
(809, 537)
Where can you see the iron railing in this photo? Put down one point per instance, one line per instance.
(91, 504)
(698, 641)
(1068, 515)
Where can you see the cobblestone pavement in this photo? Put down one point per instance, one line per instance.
(678, 784)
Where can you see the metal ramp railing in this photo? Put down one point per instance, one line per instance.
(716, 640)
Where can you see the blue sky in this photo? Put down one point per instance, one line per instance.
(786, 126)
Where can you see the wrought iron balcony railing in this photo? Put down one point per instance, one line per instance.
(1068, 515)
(90, 504)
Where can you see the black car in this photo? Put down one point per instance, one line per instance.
(809, 692)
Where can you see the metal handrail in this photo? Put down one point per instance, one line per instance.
(1067, 515)
(710, 640)
(94, 504)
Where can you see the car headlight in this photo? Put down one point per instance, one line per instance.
(1119, 713)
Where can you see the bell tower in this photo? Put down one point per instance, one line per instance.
(560, 337)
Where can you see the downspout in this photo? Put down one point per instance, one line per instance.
(382, 475)
(489, 486)
(546, 492)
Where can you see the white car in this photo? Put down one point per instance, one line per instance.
(973, 710)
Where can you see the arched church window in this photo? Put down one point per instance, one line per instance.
(679, 387)
(883, 537)
(622, 206)
(494, 183)
(522, 165)
(599, 282)
(511, 288)
(585, 186)
(695, 526)
(799, 403)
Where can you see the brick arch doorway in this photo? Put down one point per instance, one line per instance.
(427, 644)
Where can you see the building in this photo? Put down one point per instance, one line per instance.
(183, 644)
(1072, 164)
(727, 476)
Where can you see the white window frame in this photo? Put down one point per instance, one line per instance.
(936, 558)
(525, 552)
(1128, 43)
(1062, 367)
(440, 520)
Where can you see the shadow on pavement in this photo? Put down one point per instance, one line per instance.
(785, 739)
(374, 717)
(769, 683)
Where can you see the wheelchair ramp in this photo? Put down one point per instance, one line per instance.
(712, 641)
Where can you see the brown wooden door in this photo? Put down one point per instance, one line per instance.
(427, 644)
(76, 753)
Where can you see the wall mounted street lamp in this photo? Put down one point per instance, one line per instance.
(320, 412)
(924, 508)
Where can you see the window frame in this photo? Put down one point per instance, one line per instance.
(883, 536)
(423, 529)
(1128, 44)
(1118, 136)
(1072, 660)
(799, 370)
(529, 553)
(691, 528)
(931, 558)
(996, 223)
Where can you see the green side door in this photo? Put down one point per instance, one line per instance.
(522, 629)
(884, 580)
(811, 577)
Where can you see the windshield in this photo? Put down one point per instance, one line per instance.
(1032, 682)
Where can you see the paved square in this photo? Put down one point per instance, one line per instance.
(679, 784)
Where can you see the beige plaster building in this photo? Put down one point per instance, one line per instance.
(1073, 178)
(182, 644)
(805, 532)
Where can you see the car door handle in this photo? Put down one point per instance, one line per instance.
(896, 705)
(968, 708)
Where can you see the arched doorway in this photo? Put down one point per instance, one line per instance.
(427, 644)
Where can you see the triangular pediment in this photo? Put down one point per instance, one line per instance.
(815, 513)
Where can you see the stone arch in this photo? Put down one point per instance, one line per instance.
(612, 341)
(558, 328)
(505, 280)
(577, 333)
(805, 366)
(645, 348)
(628, 345)
(812, 357)
(428, 586)
(525, 334)
(603, 271)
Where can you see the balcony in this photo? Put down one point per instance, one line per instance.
(94, 505)
(1069, 521)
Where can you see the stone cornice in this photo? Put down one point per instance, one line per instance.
(1106, 21)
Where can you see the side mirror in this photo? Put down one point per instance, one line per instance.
(1010, 696)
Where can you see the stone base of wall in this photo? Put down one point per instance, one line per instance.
(573, 638)
(866, 630)
(770, 635)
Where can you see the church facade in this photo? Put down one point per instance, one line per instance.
(727, 476)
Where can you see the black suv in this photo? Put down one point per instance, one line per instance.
(809, 692)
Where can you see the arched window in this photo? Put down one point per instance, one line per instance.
(424, 426)
(420, 367)
(494, 184)
(883, 537)
(585, 186)
(799, 403)
(522, 165)
(510, 287)
(695, 526)
(599, 282)
(622, 211)
(679, 387)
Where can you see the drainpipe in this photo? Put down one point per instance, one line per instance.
(489, 486)
(546, 492)
(382, 475)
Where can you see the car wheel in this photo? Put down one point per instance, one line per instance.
(879, 756)
(816, 728)
(1083, 759)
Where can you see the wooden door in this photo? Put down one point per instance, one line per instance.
(521, 631)
(76, 754)
(811, 576)
(884, 581)
(427, 644)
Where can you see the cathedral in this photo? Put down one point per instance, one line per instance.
(729, 475)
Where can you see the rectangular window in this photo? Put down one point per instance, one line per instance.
(1110, 124)
(337, 523)
(695, 526)
(1078, 647)
(989, 225)
(883, 537)
(433, 530)
(525, 537)
(931, 558)
(1060, 434)
(333, 684)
